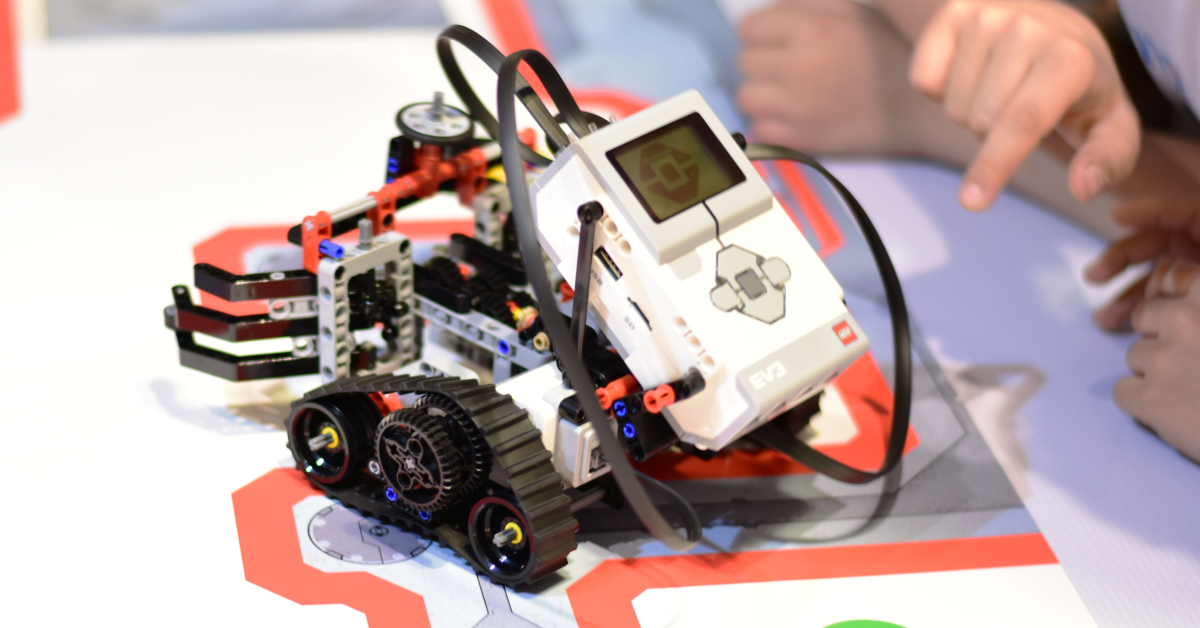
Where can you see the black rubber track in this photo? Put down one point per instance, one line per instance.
(517, 451)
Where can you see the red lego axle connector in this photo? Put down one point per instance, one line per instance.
(616, 390)
(468, 169)
(666, 394)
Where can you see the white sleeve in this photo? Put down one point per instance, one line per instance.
(1167, 36)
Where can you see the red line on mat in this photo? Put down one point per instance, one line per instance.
(10, 97)
(271, 557)
(604, 597)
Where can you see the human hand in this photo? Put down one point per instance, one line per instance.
(1013, 71)
(1164, 229)
(827, 76)
(1163, 390)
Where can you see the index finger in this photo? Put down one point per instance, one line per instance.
(1051, 88)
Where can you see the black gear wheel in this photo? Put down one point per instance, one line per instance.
(522, 468)
(476, 454)
(490, 277)
(522, 299)
(419, 460)
(447, 271)
(494, 305)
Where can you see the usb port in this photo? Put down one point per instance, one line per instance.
(608, 263)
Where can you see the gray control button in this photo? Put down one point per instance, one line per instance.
(750, 284)
(725, 298)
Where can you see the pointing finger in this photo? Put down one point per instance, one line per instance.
(1054, 83)
(1007, 68)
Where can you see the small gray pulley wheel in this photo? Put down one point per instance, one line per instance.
(435, 123)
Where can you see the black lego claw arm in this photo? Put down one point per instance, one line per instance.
(227, 366)
(240, 368)
(210, 322)
(276, 285)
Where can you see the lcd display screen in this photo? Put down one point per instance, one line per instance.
(676, 167)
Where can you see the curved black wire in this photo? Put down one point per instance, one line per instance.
(780, 439)
(591, 118)
(488, 53)
(569, 111)
(623, 472)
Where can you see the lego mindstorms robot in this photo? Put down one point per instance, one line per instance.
(711, 319)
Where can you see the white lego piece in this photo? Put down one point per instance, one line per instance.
(576, 449)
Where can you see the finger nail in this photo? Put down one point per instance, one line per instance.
(1095, 271)
(971, 197)
(1093, 180)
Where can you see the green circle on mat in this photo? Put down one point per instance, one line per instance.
(864, 623)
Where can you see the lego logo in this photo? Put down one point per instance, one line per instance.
(844, 333)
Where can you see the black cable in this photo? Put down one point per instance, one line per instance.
(780, 439)
(591, 119)
(488, 53)
(691, 520)
(623, 472)
(569, 111)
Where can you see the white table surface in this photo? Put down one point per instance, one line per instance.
(128, 152)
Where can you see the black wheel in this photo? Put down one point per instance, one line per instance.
(500, 537)
(419, 460)
(330, 437)
(468, 439)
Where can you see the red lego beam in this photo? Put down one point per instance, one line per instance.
(10, 101)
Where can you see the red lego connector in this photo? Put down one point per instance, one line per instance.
(313, 231)
(659, 398)
(616, 390)
(468, 168)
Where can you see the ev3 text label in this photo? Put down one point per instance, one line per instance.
(758, 379)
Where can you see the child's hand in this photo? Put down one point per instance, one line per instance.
(1013, 71)
(1163, 391)
(1164, 229)
(827, 76)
